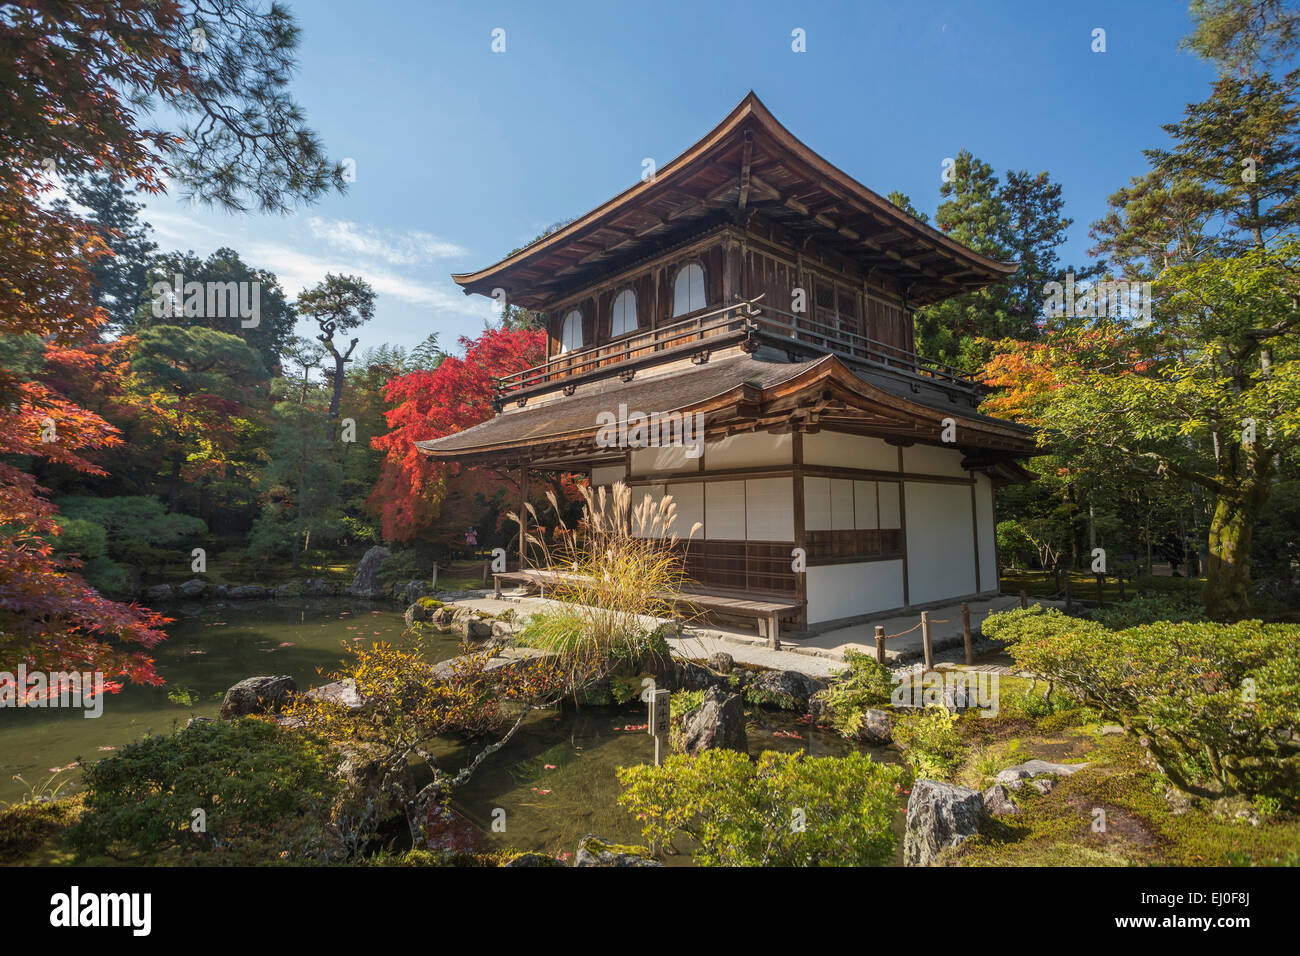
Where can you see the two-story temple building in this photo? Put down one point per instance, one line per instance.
(755, 289)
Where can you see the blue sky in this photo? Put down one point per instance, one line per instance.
(462, 154)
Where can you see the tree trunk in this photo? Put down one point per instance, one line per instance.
(1236, 510)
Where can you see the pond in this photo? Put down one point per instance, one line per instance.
(555, 781)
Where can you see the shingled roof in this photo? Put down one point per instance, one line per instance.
(742, 390)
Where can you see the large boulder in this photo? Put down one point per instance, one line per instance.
(594, 852)
(343, 693)
(722, 662)
(193, 589)
(412, 591)
(939, 816)
(998, 802)
(1016, 777)
(788, 690)
(247, 592)
(876, 728)
(159, 592)
(718, 722)
(365, 583)
(257, 695)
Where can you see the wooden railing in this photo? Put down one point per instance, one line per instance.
(746, 316)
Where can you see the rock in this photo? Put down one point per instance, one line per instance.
(257, 695)
(365, 584)
(1111, 729)
(343, 692)
(532, 859)
(412, 591)
(939, 816)
(197, 720)
(503, 630)
(594, 852)
(722, 662)
(193, 590)
(1015, 777)
(998, 802)
(247, 592)
(288, 590)
(876, 728)
(159, 592)
(788, 690)
(718, 722)
(220, 592)
(477, 629)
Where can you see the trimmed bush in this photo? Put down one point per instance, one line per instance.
(781, 810)
(1216, 705)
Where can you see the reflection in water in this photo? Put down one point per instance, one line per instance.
(555, 781)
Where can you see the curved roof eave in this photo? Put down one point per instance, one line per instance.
(748, 108)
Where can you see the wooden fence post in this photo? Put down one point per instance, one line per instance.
(965, 632)
(1024, 598)
(1069, 600)
(925, 640)
(1120, 578)
(486, 565)
(435, 575)
(1101, 592)
(880, 645)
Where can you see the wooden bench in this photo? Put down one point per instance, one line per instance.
(767, 614)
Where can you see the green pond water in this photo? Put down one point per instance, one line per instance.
(555, 781)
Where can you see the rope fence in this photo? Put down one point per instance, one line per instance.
(924, 627)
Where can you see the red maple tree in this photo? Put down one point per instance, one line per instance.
(412, 490)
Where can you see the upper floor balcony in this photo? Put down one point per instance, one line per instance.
(747, 324)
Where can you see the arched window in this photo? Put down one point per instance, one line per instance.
(571, 332)
(688, 289)
(624, 319)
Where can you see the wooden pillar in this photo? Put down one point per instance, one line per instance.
(926, 646)
(800, 536)
(880, 645)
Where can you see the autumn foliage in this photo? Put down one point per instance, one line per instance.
(459, 393)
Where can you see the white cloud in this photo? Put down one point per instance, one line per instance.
(398, 248)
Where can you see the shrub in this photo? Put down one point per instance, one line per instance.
(1216, 705)
(865, 683)
(263, 791)
(931, 742)
(1146, 610)
(782, 810)
(618, 575)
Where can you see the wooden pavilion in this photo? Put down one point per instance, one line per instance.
(754, 290)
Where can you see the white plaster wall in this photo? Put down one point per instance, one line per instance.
(847, 590)
(750, 450)
(933, 460)
(816, 504)
(663, 459)
(607, 475)
(864, 506)
(849, 451)
(890, 509)
(769, 509)
(940, 542)
(987, 533)
(724, 511)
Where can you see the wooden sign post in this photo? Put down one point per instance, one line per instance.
(659, 717)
